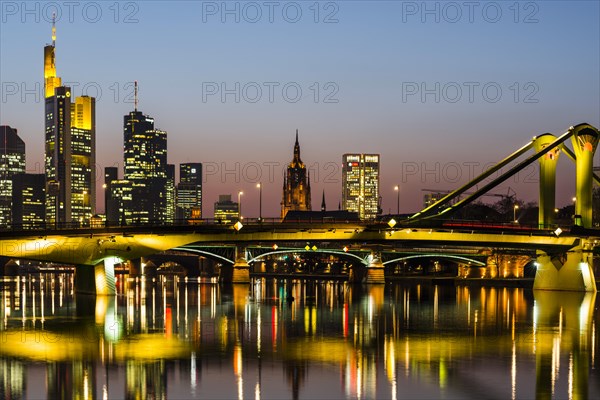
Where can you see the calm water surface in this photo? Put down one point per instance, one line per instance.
(168, 338)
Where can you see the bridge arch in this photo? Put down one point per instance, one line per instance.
(441, 256)
(323, 251)
(208, 254)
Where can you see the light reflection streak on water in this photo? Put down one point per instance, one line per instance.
(513, 372)
(570, 375)
(373, 314)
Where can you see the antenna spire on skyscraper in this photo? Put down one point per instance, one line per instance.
(135, 96)
(53, 29)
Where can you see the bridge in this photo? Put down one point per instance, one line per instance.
(564, 257)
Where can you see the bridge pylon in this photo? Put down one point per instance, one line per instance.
(547, 163)
(571, 271)
(585, 141)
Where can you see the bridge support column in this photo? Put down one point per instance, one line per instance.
(584, 142)
(571, 271)
(135, 266)
(547, 196)
(375, 269)
(241, 268)
(98, 279)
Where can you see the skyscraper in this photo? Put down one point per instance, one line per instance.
(145, 168)
(296, 185)
(83, 158)
(12, 162)
(189, 190)
(360, 184)
(70, 147)
(58, 155)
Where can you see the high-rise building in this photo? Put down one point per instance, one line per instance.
(360, 184)
(12, 161)
(170, 193)
(58, 155)
(70, 147)
(146, 168)
(189, 191)
(296, 185)
(29, 200)
(111, 204)
(226, 211)
(83, 158)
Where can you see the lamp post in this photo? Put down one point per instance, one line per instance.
(397, 189)
(574, 205)
(240, 193)
(259, 186)
(515, 208)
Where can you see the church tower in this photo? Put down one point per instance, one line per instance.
(296, 185)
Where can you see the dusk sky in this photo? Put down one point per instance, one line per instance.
(495, 74)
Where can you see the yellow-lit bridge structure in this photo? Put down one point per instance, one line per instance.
(564, 258)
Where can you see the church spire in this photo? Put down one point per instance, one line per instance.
(297, 149)
(323, 205)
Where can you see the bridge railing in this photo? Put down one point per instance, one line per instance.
(380, 223)
(45, 226)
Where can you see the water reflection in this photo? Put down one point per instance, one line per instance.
(171, 338)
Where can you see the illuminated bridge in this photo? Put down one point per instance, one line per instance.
(564, 259)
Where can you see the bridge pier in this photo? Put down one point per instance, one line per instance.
(375, 269)
(135, 267)
(98, 279)
(571, 271)
(500, 265)
(241, 268)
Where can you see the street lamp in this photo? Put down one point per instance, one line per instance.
(515, 208)
(397, 189)
(240, 193)
(259, 186)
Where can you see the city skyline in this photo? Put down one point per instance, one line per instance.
(421, 142)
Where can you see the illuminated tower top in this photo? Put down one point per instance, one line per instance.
(51, 81)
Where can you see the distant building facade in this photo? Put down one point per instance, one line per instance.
(360, 184)
(296, 185)
(170, 195)
(189, 191)
(29, 200)
(226, 211)
(111, 203)
(12, 162)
